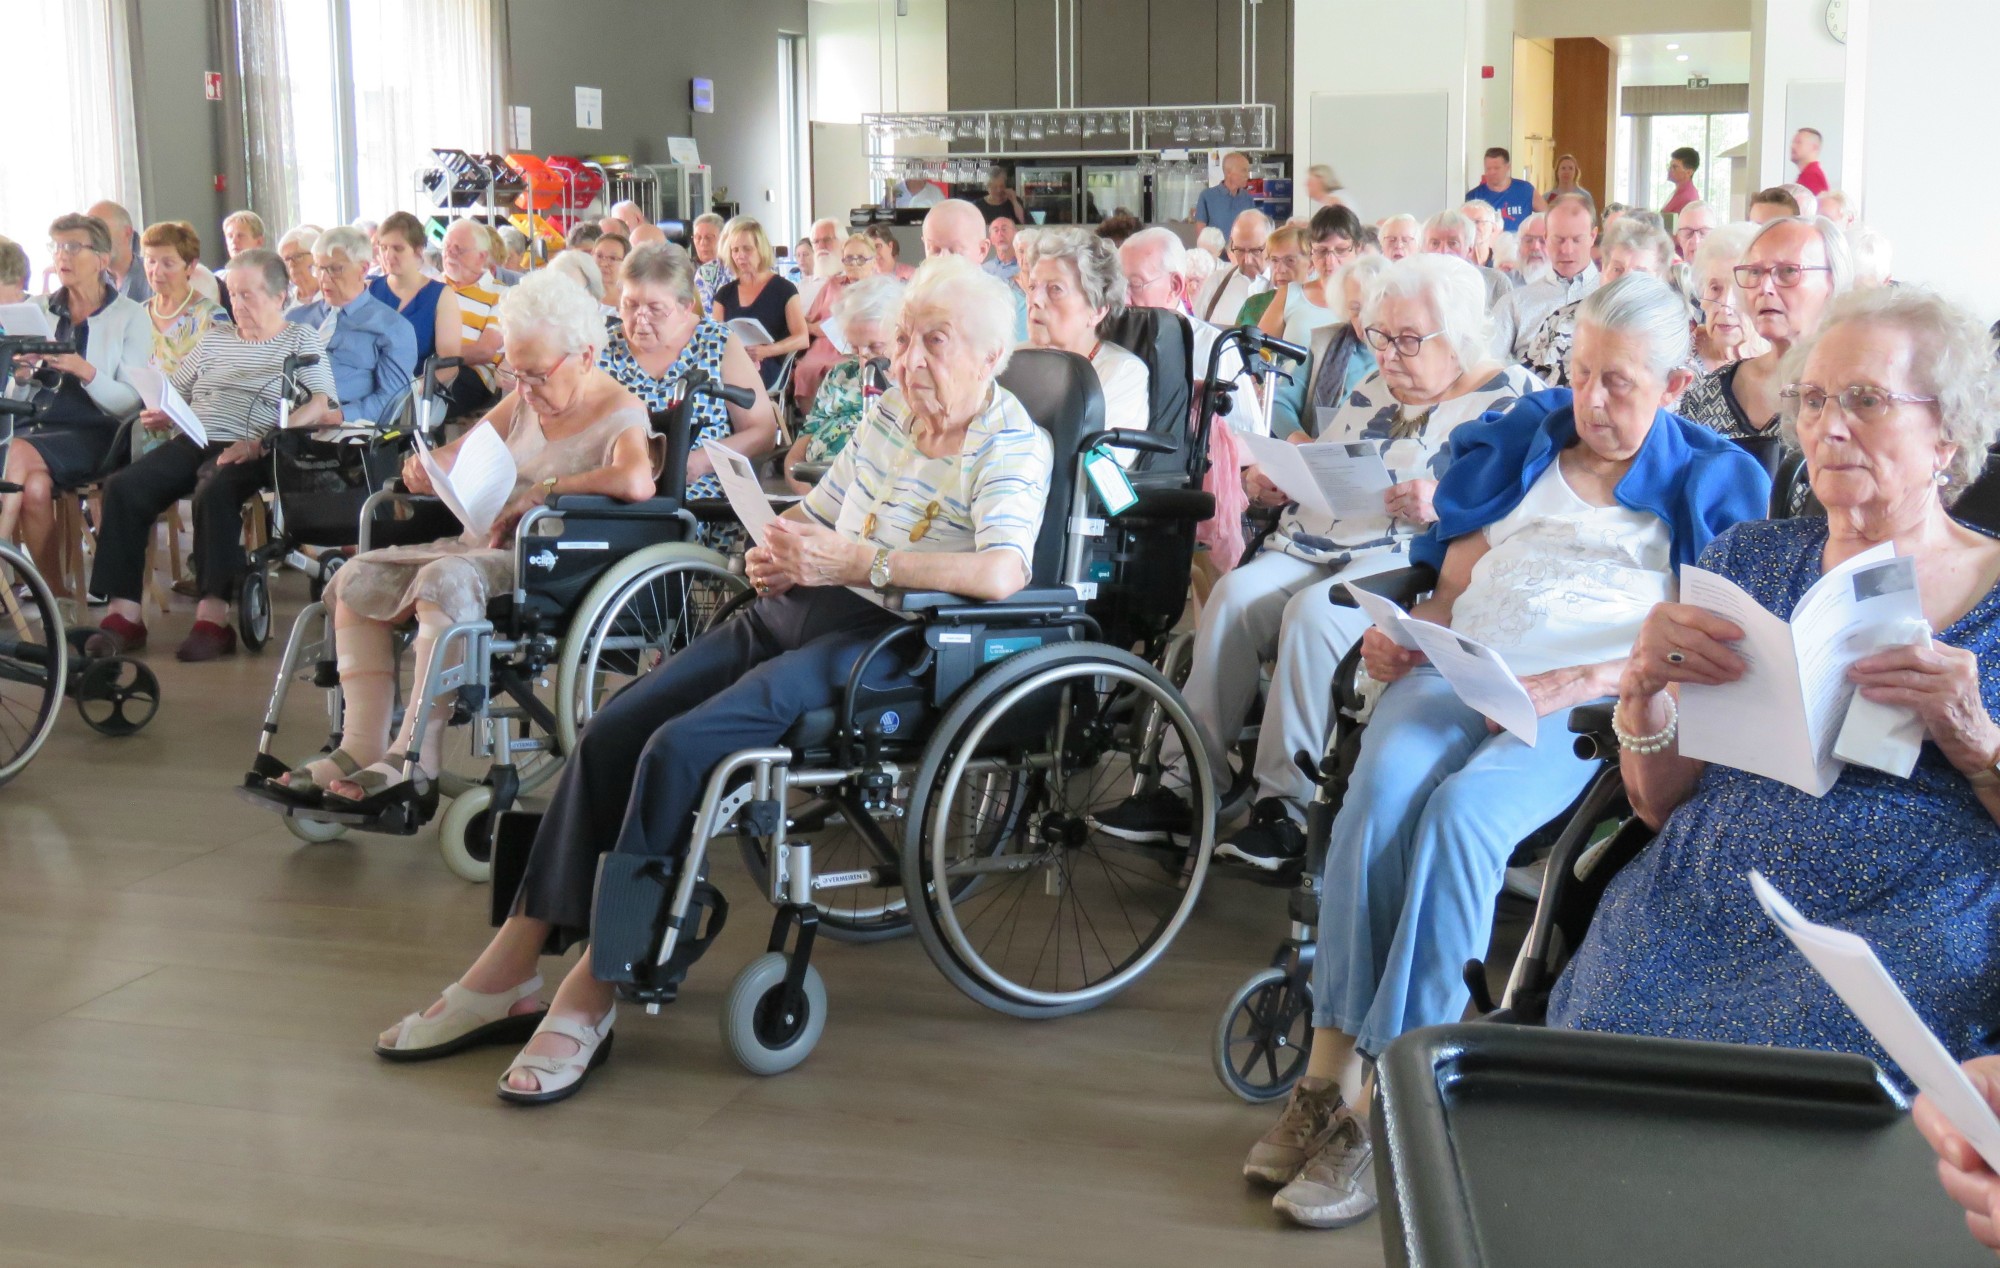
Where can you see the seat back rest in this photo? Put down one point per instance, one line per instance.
(1165, 342)
(1061, 393)
(1769, 451)
(1979, 505)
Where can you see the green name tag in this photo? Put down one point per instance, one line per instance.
(1108, 478)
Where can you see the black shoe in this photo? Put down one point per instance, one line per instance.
(1270, 840)
(1153, 816)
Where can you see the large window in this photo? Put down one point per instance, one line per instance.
(1646, 142)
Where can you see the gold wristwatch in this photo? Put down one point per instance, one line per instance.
(878, 572)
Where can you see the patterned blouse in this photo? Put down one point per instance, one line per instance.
(174, 343)
(1711, 401)
(710, 419)
(836, 411)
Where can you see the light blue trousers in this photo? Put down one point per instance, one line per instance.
(1418, 853)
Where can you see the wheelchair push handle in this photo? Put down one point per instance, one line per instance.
(1127, 438)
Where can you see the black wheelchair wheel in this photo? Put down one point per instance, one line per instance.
(117, 696)
(1063, 915)
(1264, 1037)
(34, 662)
(253, 610)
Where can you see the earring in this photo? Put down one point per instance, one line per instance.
(1939, 476)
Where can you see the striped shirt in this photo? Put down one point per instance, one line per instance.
(232, 382)
(990, 494)
(476, 305)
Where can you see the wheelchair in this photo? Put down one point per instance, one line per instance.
(603, 590)
(969, 793)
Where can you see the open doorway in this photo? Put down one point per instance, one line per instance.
(1688, 91)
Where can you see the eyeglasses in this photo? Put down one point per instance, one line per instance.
(327, 270)
(70, 248)
(857, 261)
(1245, 251)
(1336, 252)
(1406, 346)
(1859, 402)
(532, 381)
(655, 313)
(1751, 276)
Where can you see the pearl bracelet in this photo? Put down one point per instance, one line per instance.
(1658, 742)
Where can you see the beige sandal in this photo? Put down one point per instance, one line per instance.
(469, 1020)
(559, 1077)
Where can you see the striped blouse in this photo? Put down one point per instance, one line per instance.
(476, 305)
(232, 382)
(990, 494)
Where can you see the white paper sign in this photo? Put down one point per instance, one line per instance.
(521, 122)
(741, 486)
(480, 481)
(590, 108)
(158, 393)
(682, 150)
(1479, 675)
(25, 321)
(750, 331)
(1330, 478)
(1851, 968)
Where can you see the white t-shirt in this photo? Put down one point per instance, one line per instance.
(1128, 400)
(1564, 582)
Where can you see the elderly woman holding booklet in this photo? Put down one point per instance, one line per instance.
(1559, 526)
(564, 427)
(1892, 403)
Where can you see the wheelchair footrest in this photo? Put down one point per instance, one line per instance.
(630, 917)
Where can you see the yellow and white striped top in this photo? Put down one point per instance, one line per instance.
(476, 305)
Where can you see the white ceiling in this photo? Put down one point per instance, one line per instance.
(1722, 56)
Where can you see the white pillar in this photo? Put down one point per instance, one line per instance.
(1797, 73)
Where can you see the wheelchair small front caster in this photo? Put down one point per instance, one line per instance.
(1264, 1037)
(465, 835)
(314, 831)
(765, 1032)
(117, 695)
(253, 610)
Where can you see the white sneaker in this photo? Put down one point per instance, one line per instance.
(1337, 1185)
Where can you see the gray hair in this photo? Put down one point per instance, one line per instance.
(1166, 243)
(1874, 257)
(1725, 246)
(708, 218)
(877, 298)
(660, 264)
(267, 262)
(551, 303)
(1807, 200)
(581, 267)
(342, 240)
(513, 239)
(1095, 260)
(1646, 216)
(1449, 221)
(1455, 290)
(1362, 269)
(1952, 358)
(1326, 176)
(1254, 217)
(1641, 304)
(1539, 218)
(980, 305)
(13, 263)
(308, 237)
(1831, 236)
(91, 227)
(1212, 240)
(1633, 234)
(368, 227)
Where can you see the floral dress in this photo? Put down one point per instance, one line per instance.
(171, 346)
(835, 412)
(709, 421)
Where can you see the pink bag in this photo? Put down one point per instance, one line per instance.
(1222, 533)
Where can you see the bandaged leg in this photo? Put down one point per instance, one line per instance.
(366, 654)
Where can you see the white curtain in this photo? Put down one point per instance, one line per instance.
(425, 74)
(71, 69)
(269, 162)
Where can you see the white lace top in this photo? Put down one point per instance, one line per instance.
(1564, 582)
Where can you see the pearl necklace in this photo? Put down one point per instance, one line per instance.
(153, 304)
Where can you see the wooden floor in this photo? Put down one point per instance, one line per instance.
(185, 1076)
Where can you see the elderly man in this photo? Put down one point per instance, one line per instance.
(296, 250)
(711, 274)
(1514, 199)
(372, 349)
(1156, 276)
(1805, 156)
(1400, 235)
(468, 270)
(1532, 242)
(629, 212)
(1485, 230)
(1775, 203)
(1222, 296)
(648, 236)
(1682, 164)
(128, 276)
(955, 227)
(1224, 204)
(1000, 237)
(1697, 220)
(1450, 233)
(1570, 275)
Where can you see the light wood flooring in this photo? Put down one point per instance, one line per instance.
(189, 996)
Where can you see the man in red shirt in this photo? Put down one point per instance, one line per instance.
(1805, 157)
(1682, 164)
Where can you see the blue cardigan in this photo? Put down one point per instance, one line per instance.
(1695, 480)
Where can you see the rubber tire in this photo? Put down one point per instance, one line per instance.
(1252, 1092)
(253, 610)
(739, 1016)
(314, 831)
(18, 569)
(465, 815)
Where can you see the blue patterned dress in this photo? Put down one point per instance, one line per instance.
(1679, 946)
(710, 420)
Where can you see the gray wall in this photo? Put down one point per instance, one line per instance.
(642, 53)
(181, 133)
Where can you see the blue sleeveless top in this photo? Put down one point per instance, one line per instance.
(421, 313)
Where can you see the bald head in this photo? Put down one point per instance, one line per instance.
(119, 221)
(628, 212)
(648, 236)
(955, 227)
(1155, 267)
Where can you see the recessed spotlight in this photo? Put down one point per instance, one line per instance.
(1683, 57)
(1672, 47)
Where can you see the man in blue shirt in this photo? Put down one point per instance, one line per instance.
(1513, 199)
(1219, 205)
(372, 347)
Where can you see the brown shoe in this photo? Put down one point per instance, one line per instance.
(116, 636)
(207, 641)
(1301, 1131)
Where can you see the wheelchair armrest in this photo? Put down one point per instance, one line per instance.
(390, 494)
(598, 506)
(1596, 739)
(1023, 605)
(1400, 585)
(810, 472)
(1127, 438)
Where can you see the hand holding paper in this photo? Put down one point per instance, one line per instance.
(480, 481)
(1340, 481)
(1478, 674)
(750, 331)
(741, 486)
(158, 393)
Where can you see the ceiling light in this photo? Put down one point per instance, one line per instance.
(1681, 58)
(1672, 47)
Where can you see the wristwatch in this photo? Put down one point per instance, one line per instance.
(1986, 778)
(878, 572)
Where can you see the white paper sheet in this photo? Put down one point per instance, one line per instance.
(741, 486)
(1479, 675)
(25, 321)
(750, 332)
(836, 335)
(157, 391)
(480, 481)
(1343, 481)
(1851, 968)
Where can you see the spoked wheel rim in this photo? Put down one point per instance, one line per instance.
(656, 614)
(462, 770)
(1266, 1036)
(1064, 915)
(34, 656)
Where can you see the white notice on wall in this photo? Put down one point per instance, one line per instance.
(590, 108)
(683, 150)
(520, 122)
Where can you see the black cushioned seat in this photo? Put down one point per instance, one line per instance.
(1165, 342)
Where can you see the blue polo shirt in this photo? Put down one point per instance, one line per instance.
(1218, 207)
(1514, 203)
(373, 350)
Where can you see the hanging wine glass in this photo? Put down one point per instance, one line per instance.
(1036, 129)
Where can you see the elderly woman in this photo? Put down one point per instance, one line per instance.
(1893, 403)
(170, 252)
(1024, 257)
(942, 489)
(857, 262)
(426, 303)
(867, 312)
(231, 382)
(888, 253)
(1629, 246)
(296, 250)
(1077, 283)
(758, 294)
(570, 429)
(1324, 189)
(1560, 523)
(609, 252)
(14, 272)
(1285, 254)
(1425, 317)
(80, 397)
(1341, 355)
(1305, 304)
(1722, 338)
(663, 342)
(582, 268)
